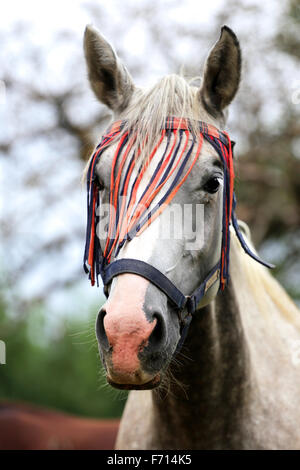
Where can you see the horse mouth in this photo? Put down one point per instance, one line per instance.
(153, 383)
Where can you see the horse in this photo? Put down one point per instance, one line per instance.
(29, 427)
(235, 383)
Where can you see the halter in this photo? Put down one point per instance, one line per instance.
(130, 216)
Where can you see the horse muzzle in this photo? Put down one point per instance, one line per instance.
(132, 341)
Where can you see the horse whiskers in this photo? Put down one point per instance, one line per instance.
(87, 335)
(170, 379)
(88, 331)
(102, 382)
(120, 395)
(91, 342)
(164, 390)
(180, 385)
(84, 340)
(176, 362)
(184, 357)
(116, 395)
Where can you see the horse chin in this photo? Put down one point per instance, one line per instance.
(153, 383)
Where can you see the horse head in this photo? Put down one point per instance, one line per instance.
(139, 327)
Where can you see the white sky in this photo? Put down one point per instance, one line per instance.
(71, 14)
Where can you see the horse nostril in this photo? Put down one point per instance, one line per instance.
(158, 334)
(100, 330)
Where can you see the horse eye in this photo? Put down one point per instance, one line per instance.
(100, 184)
(212, 185)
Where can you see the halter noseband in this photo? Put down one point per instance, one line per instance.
(129, 217)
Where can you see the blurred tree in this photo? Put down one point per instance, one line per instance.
(268, 184)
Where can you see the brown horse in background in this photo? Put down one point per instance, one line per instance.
(29, 427)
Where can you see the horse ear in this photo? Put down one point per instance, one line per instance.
(109, 79)
(222, 72)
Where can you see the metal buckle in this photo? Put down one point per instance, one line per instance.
(212, 280)
(190, 304)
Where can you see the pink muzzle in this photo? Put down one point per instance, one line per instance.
(127, 328)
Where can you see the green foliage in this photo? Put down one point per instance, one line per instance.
(63, 373)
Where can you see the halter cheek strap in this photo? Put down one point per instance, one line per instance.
(130, 217)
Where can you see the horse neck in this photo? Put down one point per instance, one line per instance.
(211, 391)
